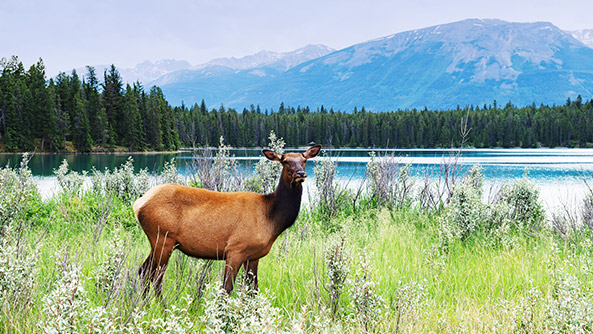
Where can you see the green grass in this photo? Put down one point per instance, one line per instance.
(470, 286)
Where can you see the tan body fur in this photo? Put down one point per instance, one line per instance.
(238, 227)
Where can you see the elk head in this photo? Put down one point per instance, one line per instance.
(293, 171)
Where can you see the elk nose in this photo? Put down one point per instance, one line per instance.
(301, 174)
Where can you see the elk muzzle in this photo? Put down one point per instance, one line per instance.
(299, 177)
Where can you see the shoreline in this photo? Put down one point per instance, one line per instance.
(376, 149)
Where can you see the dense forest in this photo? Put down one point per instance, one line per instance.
(70, 113)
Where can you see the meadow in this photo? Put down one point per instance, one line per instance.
(395, 255)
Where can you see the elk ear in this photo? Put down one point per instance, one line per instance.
(312, 152)
(272, 155)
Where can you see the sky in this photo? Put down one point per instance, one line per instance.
(70, 34)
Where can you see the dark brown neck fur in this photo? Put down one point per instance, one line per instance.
(284, 205)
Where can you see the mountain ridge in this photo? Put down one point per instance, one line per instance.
(470, 62)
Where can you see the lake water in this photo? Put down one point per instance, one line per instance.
(558, 172)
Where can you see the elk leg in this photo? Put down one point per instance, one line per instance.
(145, 273)
(158, 261)
(233, 264)
(250, 268)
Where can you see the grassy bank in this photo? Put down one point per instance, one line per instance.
(399, 256)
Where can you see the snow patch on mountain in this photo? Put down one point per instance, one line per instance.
(585, 36)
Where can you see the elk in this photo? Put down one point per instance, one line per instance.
(238, 227)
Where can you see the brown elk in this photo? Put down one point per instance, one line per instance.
(238, 227)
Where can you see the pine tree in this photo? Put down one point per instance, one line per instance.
(113, 105)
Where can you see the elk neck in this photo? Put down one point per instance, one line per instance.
(284, 204)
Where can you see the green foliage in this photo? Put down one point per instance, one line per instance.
(245, 312)
(522, 196)
(121, 182)
(17, 191)
(266, 173)
(18, 271)
(69, 181)
(494, 277)
(464, 214)
(219, 173)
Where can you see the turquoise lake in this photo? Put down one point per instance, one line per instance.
(558, 172)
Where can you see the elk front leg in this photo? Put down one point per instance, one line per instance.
(233, 264)
(250, 268)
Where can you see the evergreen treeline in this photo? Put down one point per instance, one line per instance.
(48, 115)
(51, 115)
(570, 126)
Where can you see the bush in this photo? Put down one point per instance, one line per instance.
(246, 312)
(523, 198)
(266, 173)
(121, 182)
(409, 304)
(587, 211)
(70, 182)
(110, 270)
(17, 271)
(337, 272)
(390, 185)
(463, 215)
(65, 307)
(570, 309)
(219, 173)
(17, 191)
(170, 174)
(368, 307)
(330, 197)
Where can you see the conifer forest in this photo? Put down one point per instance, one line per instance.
(85, 112)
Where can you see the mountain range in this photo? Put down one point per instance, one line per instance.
(470, 62)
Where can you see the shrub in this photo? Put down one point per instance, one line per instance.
(176, 321)
(587, 210)
(70, 182)
(368, 307)
(266, 173)
(523, 198)
(17, 191)
(463, 214)
(390, 185)
(337, 265)
(110, 270)
(330, 197)
(382, 174)
(246, 312)
(170, 173)
(219, 173)
(498, 225)
(65, 307)
(525, 315)
(409, 303)
(570, 309)
(17, 270)
(121, 182)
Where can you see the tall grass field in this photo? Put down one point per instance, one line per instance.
(398, 254)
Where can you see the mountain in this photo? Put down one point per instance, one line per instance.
(144, 72)
(585, 36)
(280, 61)
(471, 62)
(216, 80)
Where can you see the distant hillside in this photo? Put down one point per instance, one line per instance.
(468, 62)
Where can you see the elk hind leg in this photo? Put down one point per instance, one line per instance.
(157, 261)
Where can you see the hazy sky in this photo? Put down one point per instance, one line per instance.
(68, 34)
